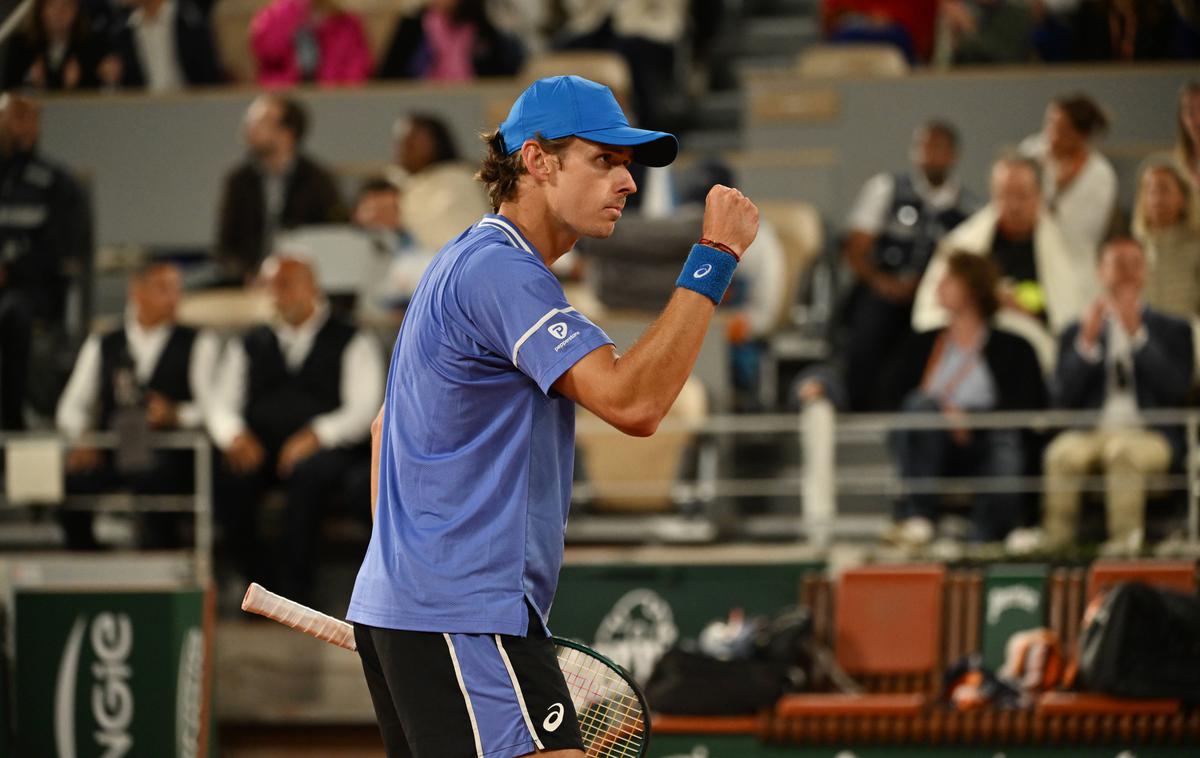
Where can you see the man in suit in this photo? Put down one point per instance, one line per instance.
(292, 406)
(152, 372)
(277, 186)
(1122, 358)
(166, 46)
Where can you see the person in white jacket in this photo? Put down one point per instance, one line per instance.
(1048, 279)
(1079, 185)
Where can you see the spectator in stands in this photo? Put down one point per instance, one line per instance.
(277, 187)
(1187, 143)
(59, 50)
(1166, 224)
(150, 374)
(165, 46)
(908, 24)
(1047, 280)
(895, 225)
(968, 366)
(648, 35)
(403, 260)
(526, 20)
(1135, 30)
(1120, 359)
(440, 197)
(1079, 185)
(292, 406)
(450, 40)
(989, 31)
(318, 41)
(45, 234)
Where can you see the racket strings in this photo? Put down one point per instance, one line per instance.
(609, 711)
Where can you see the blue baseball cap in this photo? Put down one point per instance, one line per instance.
(565, 106)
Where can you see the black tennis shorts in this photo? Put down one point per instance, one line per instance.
(460, 695)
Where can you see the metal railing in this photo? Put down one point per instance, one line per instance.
(199, 502)
(822, 480)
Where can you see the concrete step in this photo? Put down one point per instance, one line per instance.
(778, 36)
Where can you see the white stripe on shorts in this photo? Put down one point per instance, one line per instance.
(520, 696)
(467, 697)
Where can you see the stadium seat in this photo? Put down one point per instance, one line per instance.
(836, 61)
(664, 724)
(607, 68)
(887, 634)
(231, 28)
(887, 621)
(1173, 575)
(225, 309)
(639, 474)
(1091, 704)
(838, 704)
(798, 225)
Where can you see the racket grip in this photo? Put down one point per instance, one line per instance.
(301, 618)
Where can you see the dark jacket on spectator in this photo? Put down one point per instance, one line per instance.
(310, 197)
(1010, 360)
(23, 53)
(495, 54)
(45, 230)
(194, 48)
(1162, 371)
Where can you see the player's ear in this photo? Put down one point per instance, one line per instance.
(537, 160)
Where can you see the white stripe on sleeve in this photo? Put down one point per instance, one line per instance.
(529, 332)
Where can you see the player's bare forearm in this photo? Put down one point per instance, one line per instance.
(376, 435)
(633, 392)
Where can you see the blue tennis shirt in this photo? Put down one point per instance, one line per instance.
(477, 450)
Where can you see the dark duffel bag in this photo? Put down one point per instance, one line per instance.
(1142, 641)
(692, 683)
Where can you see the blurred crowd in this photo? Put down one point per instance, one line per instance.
(1043, 294)
(169, 45)
(1037, 291)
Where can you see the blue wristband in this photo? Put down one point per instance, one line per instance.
(708, 271)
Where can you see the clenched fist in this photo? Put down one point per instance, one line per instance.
(730, 218)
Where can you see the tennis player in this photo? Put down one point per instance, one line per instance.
(475, 442)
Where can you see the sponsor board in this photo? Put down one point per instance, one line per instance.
(109, 674)
(634, 613)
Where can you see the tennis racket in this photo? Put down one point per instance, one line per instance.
(613, 718)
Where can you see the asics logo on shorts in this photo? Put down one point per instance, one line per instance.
(558, 330)
(703, 271)
(554, 718)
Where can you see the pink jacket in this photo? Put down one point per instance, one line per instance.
(345, 57)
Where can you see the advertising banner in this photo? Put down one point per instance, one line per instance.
(107, 674)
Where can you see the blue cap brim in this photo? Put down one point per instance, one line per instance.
(649, 148)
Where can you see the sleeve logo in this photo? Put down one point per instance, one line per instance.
(558, 330)
(703, 271)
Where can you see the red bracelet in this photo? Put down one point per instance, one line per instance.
(719, 246)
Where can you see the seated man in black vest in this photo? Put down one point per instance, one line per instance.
(292, 406)
(151, 374)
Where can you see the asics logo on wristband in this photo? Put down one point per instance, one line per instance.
(703, 271)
